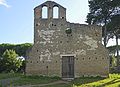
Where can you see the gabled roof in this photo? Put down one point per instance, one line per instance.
(48, 3)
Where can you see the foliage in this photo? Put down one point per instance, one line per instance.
(103, 12)
(114, 25)
(68, 31)
(112, 81)
(112, 76)
(9, 54)
(9, 61)
(114, 61)
(20, 49)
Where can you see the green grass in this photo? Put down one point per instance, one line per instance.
(31, 80)
(85, 80)
(112, 81)
(9, 75)
(57, 85)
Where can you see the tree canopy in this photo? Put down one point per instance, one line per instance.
(20, 49)
(102, 12)
(9, 61)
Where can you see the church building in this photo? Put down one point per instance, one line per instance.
(64, 49)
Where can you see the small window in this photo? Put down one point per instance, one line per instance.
(55, 12)
(30, 61)
(83, 58)
(47, 67)
(96, 58)
(37, 50)
(43, 61)
(37, 61)
(56, 61)
(44, 12)
(89, 58)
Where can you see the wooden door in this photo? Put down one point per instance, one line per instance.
(67, 66)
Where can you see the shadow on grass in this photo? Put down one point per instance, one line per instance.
(85, 80)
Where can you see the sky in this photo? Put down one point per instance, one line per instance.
(16, 18)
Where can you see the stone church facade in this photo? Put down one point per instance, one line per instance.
(65, 49)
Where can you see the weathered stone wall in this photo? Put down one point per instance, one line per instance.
(51, 42)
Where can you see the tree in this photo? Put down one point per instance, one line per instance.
(20, 49)
(10, 62)
(114, 28)
(101, 12)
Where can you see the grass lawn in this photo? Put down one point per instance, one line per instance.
(32, 80)
(9, 75)
(112, 81)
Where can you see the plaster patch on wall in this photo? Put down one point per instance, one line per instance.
(46, 35)
(58, 30)
(48, 32)
(49, 41)
(80, 52)
(39, 33)
(43, 42)
(51, 45)
(38, 42)
(56, 53)
(91, 42)
(81, 36)
(45, 38)
(56, 36)
(46, 54)
(77, 41)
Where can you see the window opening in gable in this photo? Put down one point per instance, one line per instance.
(55, 12)
(44, 12)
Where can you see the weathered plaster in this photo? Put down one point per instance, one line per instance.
(91, 42)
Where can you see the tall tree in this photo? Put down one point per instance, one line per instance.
(101, 12)
(114, 28)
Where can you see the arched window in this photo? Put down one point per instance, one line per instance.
(44, 12)
(55, 12)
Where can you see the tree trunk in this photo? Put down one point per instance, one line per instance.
(117, 50)
(105, 34)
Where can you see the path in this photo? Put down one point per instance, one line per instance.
(40, 85)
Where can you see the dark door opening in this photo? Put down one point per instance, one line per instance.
(67, 66)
